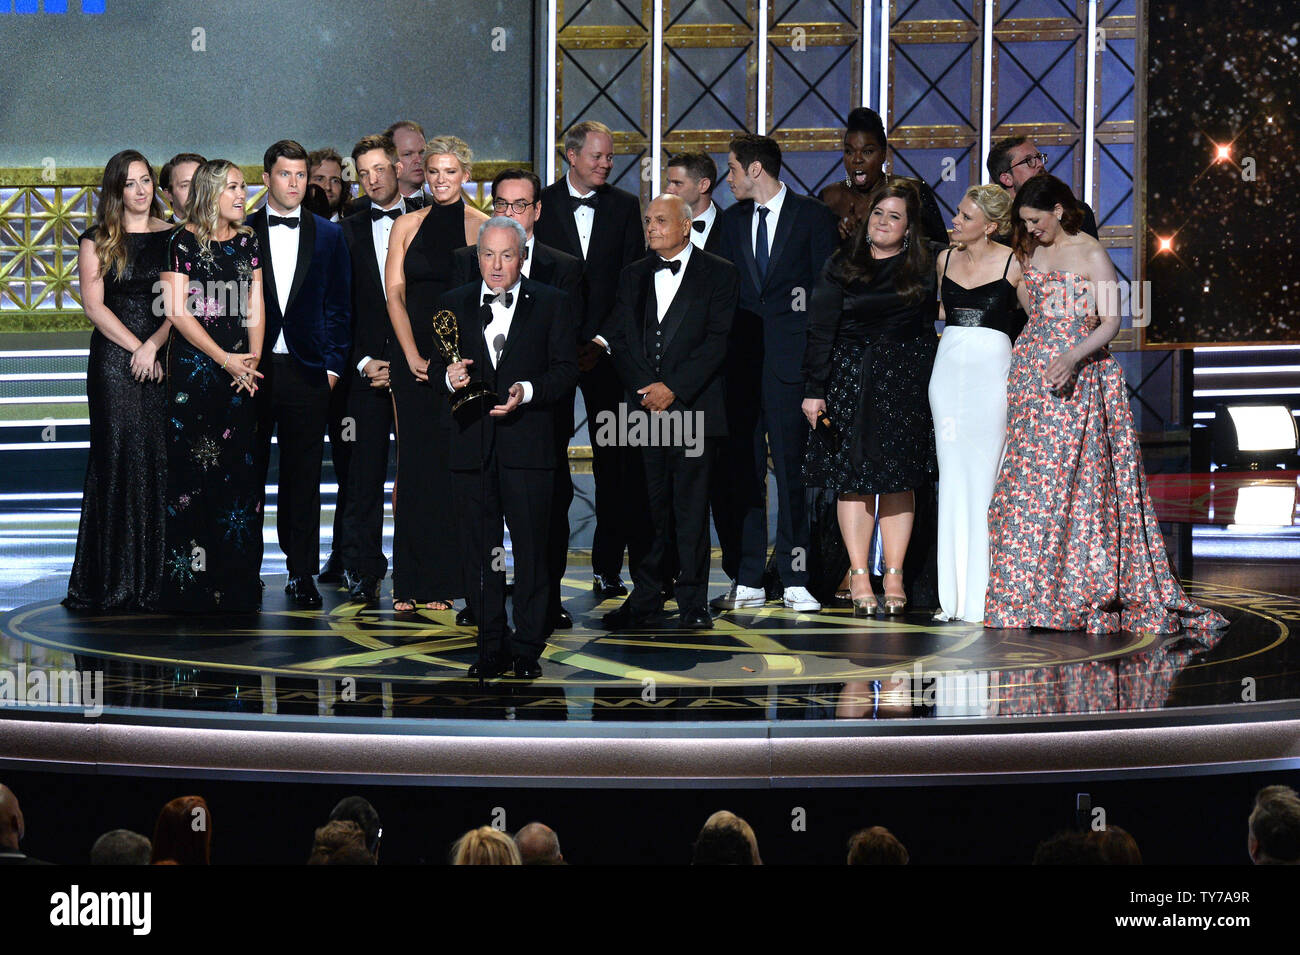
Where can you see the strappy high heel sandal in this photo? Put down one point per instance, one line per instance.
(863, 606)
(894, 604)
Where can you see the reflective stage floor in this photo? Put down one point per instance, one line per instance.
(769, 697)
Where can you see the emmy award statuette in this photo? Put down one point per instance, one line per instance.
(476, 399)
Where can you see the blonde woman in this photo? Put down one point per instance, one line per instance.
(119, 558)
(978, 284)
(213, 288)
(426, 559)
(485, 846)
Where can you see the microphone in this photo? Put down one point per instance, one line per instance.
(498, 346)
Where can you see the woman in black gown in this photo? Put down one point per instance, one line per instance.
(119, 558)
(871, 345)
(213, 287)
(426, 556)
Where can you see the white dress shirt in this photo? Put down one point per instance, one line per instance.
(774, 205)
(284, 263)
(708, 217)
(380, 231)
(667, 284)
(502, 316)
(527, 269)
(583, 216)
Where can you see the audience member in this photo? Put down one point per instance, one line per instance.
(485, 846)
(1068, 848)
(1117, 847)
(876, 846)
(1273, 832)
(183, 833)
(121, 847)
(358, 810)
(12, 830)
(539, 845)
(726, 839)
(334, 837)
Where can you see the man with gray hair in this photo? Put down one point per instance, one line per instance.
(517, 336)
(121, 847)
(539, 845)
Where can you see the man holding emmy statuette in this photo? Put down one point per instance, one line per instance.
(505, 337)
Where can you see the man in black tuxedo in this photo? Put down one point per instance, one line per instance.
(1015, 159)
(517, 336)
(778, 242)
(693, 176)
(369, 412)
(601, 225)
(516, 193)
(308, 281)
(12, 830)
(408, 137)
(670, 328)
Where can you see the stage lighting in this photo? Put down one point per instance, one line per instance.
(1265, 505)
(1254, 435)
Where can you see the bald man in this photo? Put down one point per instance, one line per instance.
(12, 830)
(669, 326)
(539, 845)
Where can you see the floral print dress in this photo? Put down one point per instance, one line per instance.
(1074, 541)
(214, 494)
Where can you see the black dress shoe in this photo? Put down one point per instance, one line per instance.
(332, 571)
(696, 619)
(363, 588)
(465, 618)
(608, 586)
(625, 618)
(494, 665)
(561, 620)
(526, 668)
(303, 593)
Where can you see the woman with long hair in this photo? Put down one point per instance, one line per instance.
(426, 558)
(119, 558)
(213, 289)
(183, 833)
(1074, 543)
(978, 284)
(871, 345)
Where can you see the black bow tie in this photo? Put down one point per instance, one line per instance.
(698, 226)
(505, 298)
(674, 266)
(588, 201)
(292, 223)
(377, 214)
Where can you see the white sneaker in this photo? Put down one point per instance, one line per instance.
(798, 598)
(739, 597)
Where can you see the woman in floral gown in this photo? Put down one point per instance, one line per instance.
(1074, 541)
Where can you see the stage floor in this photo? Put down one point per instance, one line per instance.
(768, 694)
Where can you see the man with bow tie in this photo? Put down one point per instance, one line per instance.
(308, 279)
(670, 328)
(517, 336)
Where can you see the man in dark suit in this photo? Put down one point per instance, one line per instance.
(12, 830)
(369, 412)
(307, 275)
(601, 225)
(408, 137)
(778, 242)
(516, 194)
(1013, 160)
(670, 327)
(693, 176)
(517, 336)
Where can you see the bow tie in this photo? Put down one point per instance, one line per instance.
(377, 214)
(292, 223)
(505, 298)
(588, 201)
(674, 266)
(698, 226)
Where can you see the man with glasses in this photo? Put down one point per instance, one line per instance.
(1015, 159)
(516, 193)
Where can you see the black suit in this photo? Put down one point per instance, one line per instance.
(559, 270)
(686, 352)
(294, 396)
(617, 239)
(765, 385)
(504, 467)
(363, 203)
(359, 521)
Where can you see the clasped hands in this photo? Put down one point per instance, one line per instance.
(144, 362)
(1059, 370)
(377, 372)
(243, 369)
(656, 396)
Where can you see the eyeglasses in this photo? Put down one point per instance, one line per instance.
(519, 205)
(1037, 159)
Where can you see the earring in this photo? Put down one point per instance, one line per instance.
(906, 238)
(848, 180)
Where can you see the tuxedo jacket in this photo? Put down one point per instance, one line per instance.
(774, 310)
(363, 203)
(693, 335)
(713, 243)
(541, 349)
(550, 267)
(371, 329)
(317, 319)
(617, 240)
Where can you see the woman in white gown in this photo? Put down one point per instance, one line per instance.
(978, 286)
